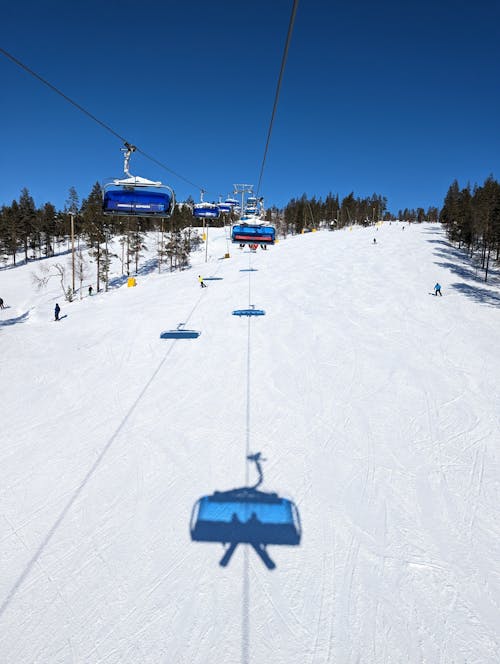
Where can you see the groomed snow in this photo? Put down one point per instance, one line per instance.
(375, 404)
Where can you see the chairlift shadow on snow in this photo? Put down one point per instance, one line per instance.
(251, 311)
(14, 321)
(180, 332)
(246, 516)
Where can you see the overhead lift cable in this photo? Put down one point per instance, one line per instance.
(278, 87)
(93, 117)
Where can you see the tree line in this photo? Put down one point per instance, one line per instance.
(472, 219)
(45, 231)
(306, 213)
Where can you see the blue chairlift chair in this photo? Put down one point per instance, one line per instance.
(244, 233)
(135, 196)
(204, 210)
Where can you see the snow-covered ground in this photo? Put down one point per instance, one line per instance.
(375, 404)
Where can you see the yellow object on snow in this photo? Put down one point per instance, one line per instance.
(131, 282)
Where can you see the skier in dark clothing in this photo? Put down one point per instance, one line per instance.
(1, 304)
(90, 290)
(56, 312)
(437, 290)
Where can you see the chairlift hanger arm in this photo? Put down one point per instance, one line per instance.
(127, 150)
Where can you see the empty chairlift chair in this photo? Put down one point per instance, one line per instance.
(226, 207)
(204, 210)
(234, 203)
(246, 516)
(136, 196)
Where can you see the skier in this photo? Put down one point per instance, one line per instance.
(1, 304)
(56, 312)
(200, 279)
(90, 290)
(374, 240)
(437, 289)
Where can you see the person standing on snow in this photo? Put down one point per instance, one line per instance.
(1, 304)
(437, 289)
(200, 279)
(56, 312)
(90, 290)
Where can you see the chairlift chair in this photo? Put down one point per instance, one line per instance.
(135, 196)
(245, 233)
(204, 210)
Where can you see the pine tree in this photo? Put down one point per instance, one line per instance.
(27, 219)
(137, 243)
(93, 221)
(9, 230)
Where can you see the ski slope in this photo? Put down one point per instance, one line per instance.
(375, 404)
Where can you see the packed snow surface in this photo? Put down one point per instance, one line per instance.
(374, 403)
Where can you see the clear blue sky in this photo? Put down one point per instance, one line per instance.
(387, 97)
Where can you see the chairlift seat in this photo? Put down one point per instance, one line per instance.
(205, 210)
(137, 202)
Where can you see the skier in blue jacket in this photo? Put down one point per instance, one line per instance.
(56, 312)
(437, 289)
